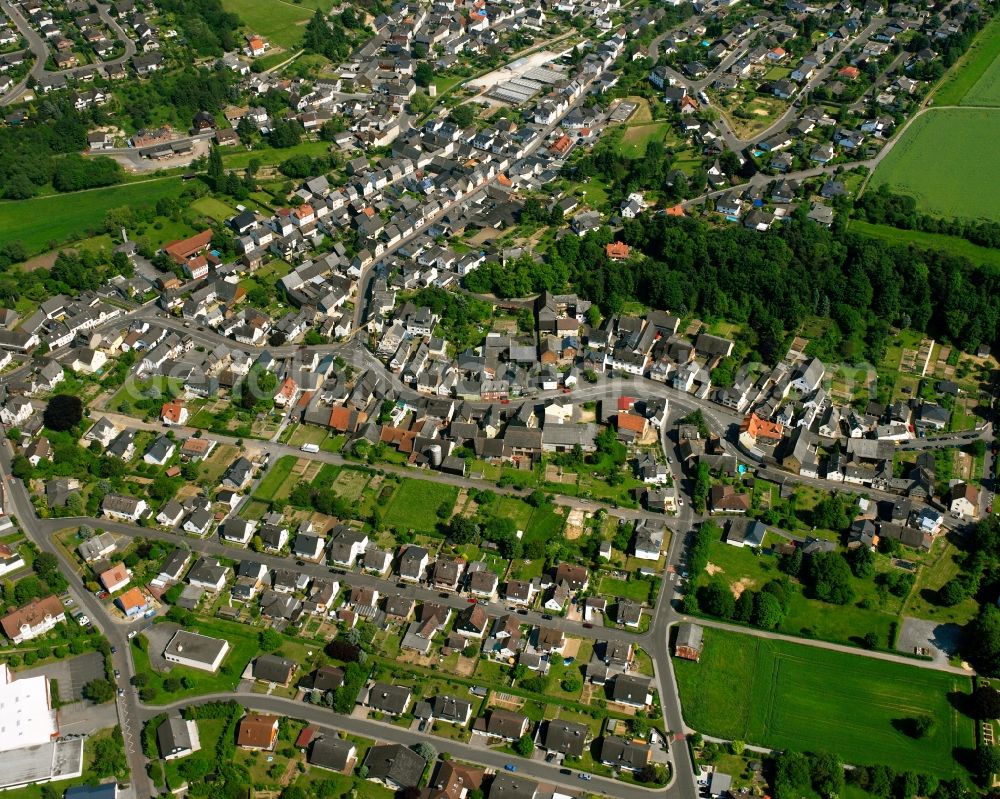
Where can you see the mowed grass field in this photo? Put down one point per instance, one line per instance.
(415, 503)
(952, 245)
(785, 695)
(633, 144)
(274, 483)
(975, 79)
(947, 161)
(280, 22)
(62, 218)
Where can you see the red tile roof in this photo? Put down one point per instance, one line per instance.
(631, 422)
(761, 428)
(183, 249)
(618, 251)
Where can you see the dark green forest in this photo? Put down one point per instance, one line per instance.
(772, 281)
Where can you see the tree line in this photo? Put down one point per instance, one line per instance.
(884, 207)
(770, 282)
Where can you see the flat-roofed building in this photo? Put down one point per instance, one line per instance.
(196, 651)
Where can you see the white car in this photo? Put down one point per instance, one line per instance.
(83, 621)
(132, 634)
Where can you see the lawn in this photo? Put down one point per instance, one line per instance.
(517, 510)
(327, 475)
(242, 647)
(307, 434)
(209, 732)
(636, 589)
(922, 603)
(546, 522)
(944, 179)
(940, 242)
(784, 695)
(594, 192)
(275, 479)
(240, 159)
(975, 79)
(633, 143)
(414, 505)
(44, 222)
(741, 569)
(215, 209)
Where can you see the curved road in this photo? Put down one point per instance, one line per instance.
(41, 51)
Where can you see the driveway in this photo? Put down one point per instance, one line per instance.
(71, 674)
(158, 636)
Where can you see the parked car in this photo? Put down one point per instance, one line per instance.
(583, 776)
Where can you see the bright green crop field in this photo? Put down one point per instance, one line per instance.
(975, 79)
(785, 695)
(947, 161)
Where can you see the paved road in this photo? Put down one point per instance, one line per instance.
(116, 633)
(384, 731)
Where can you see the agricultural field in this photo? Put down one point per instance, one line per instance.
(784, 695)
(946, 179)
(986, 90)
(60, 218)
(940, 242)
(415, 504)
(975, 79)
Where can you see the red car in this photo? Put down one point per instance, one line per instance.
(471, 600)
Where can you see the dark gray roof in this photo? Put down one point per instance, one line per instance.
(173, 736)
(332, 753)
(395, 764)
(631, 689)
(618, 752)
(271, 668)
(565, 736)
(389, 698)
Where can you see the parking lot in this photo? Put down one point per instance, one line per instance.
(71, 675)
(939, 640)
